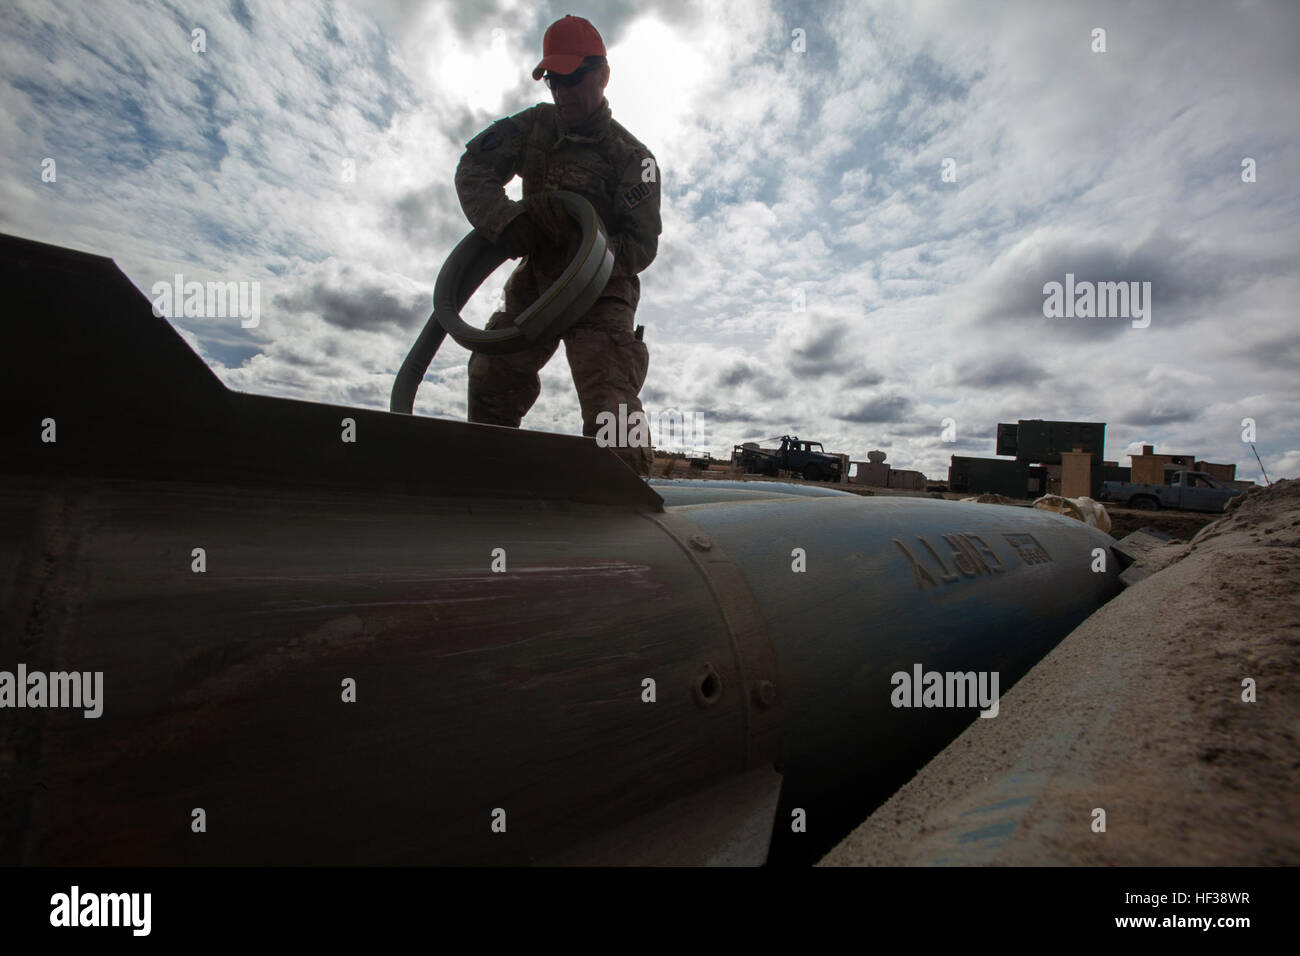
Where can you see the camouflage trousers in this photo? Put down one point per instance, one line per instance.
(608, 363)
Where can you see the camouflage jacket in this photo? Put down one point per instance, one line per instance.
(598, 160)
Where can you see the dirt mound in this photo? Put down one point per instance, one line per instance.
(1140, 712)
(1258, 515)
(989, 498)
(1181, 524)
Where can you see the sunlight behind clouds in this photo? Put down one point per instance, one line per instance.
(655, 78)
(478, 75)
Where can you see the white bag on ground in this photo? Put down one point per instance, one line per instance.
(1083, 509)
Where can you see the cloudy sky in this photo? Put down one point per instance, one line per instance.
(803, 149)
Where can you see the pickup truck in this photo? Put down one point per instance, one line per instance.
(806, 458)
(1187, 490)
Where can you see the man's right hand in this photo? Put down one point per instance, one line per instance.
(519, 237)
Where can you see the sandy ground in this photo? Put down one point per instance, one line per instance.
(1139, 712)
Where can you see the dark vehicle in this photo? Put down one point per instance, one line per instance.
(1187, 490)
(806, 458)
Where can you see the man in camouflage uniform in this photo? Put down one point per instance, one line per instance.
(573, 145)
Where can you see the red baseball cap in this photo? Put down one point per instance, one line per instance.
(567, 43)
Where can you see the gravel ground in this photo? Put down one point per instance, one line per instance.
(1139, 712)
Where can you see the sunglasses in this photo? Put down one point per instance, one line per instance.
(554, 80)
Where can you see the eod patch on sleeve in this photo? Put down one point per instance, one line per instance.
(637, 193)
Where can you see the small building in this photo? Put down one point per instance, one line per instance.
(1225, 473)
(910, 480)
(1152, 469)
(871, 473)
(1002, 476)
(876, 472)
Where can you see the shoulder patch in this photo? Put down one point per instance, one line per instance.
(493, 137)
(637, 193)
